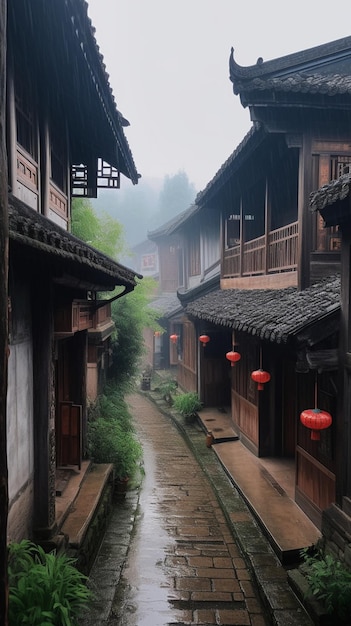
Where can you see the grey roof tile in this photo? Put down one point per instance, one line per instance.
(271, 315)
(331, 192)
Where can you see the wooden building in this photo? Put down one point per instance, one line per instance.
(333, 204)
(65, 137)
(278, 304)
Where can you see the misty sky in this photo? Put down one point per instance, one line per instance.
(168, 62)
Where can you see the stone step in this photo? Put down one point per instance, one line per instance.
(88, 514)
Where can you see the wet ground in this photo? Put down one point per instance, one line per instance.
(182, 564)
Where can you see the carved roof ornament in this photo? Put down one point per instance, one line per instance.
(320, 62)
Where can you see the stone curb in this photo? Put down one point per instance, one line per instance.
(271, 578)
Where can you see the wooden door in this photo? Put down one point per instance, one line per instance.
(70, 434)
(70, 381)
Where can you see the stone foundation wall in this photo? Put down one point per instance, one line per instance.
(336, 530)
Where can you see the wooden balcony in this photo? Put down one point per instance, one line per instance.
(83, 315)
(274, 253)
(102, 315)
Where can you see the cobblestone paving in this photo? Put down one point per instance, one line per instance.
(183, 566)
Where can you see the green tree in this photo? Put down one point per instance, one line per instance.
(131, 313)
(176, 195)
(134, 207)
(100, 231)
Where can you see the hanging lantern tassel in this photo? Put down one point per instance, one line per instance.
(173, 338)
(233, 357)
(316, 420)
(260, 377)
(204, 340)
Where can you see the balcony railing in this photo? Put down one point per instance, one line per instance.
(255, 258)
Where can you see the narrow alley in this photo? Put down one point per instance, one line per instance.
(182, 564)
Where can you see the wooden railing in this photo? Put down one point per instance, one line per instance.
(256, 259)
(282, 248)
(254, 256)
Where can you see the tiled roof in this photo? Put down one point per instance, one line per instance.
(102, 82)
(170, 227)
(166, 304)
(56, 44)
(29, 228)
(296, 61)
(331, 192)
(329, 85)
(271, 315)
(250, 142)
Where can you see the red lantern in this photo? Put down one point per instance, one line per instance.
(204, 340)
(173, 338)
(261, 377)
(316, 420)
(233, 357)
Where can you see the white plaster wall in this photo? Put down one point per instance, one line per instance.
(20, 417)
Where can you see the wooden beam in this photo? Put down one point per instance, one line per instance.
(3, 324)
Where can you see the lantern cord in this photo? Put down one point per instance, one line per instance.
(260, 357)
(315, 391)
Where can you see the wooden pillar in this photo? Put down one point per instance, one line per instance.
(242, 236)
(343, 434)
(267, 226)
(3, 323)
(44, 418)
(304, 213)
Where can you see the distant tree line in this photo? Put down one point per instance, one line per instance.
(146, 206)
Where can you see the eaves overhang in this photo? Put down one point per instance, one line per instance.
(302, 61)
(333, 201)
(278, 316)
(64, 253)
(57, 43)
(252, 140)
(206, 286)
(173, 225)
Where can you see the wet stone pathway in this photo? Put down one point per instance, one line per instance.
(168, 556)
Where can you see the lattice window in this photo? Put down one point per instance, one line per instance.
(107, 176)
(339, 165)
(86, 179)
(83, 183)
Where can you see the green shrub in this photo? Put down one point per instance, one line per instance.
(187, 404)
(108, 442)
(110, 433)
(111, 405)
(330, 582)
(167, 388)
(44, 589)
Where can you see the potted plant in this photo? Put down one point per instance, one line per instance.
(187, 404)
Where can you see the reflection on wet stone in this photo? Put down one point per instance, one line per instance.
(180, 566)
